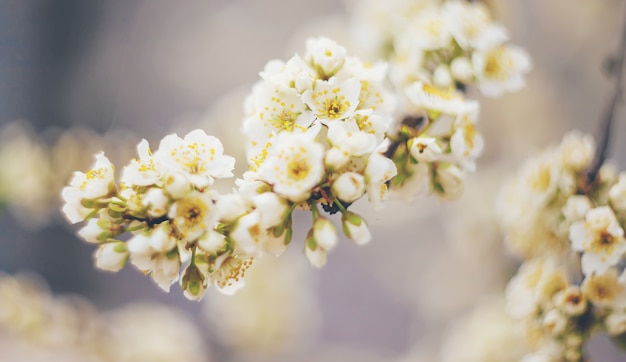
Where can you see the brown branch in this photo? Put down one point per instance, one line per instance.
(616, 68)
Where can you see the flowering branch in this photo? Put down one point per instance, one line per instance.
(317, 130)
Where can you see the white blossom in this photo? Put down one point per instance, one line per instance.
(600, 238)
(500, 69)
(198, 156)
(294, 166)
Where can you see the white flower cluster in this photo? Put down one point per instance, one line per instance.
(564, 226)
(456, 44)
(166, 203)
(315, 127)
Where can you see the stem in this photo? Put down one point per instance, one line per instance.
(616, 69)
(339, 204)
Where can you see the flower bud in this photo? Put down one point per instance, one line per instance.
(193, 283)
(461, 69)
(112, 256)
(336, 159)
(231, 206)
(325, 233)
(450, 180)
(211, 241)
(272, 209)
(177, 185)
(424, 149)
(313, 252)
(349, 186)
(571, 301)
(355, 228)
(615, 323)
(156, 201)
(442, 77)
(554, 322)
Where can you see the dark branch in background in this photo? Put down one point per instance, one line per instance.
(615, 68)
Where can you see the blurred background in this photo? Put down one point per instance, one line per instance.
(77, 77)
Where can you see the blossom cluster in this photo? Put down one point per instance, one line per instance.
(570, 229)
(456, 44)
(315, 126)
(165, 202)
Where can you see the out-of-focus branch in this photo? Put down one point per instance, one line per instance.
(616, 67)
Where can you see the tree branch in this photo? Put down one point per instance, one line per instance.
(616, 68)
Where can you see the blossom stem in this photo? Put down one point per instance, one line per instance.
(606, 122)
(339, 204)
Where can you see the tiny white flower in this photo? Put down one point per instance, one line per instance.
(347, 136)
(111, 256)
(199, 157)
(600, 238)
(230, 272)
(571, 301)
(193, 215)
(349, 186)
(325, 56)
(427, 97)
(334, 99)
(429, 29)
(605, 289)
(294, 166)
(142, 172)
(577, 150)
(96, 183)
(471, 25)
(501, 69)
(276, 109)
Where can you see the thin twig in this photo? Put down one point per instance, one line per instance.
(616, 67)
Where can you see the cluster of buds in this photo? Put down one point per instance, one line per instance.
(571, 232)
(456, 44)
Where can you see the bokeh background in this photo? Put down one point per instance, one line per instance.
(79, 76)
